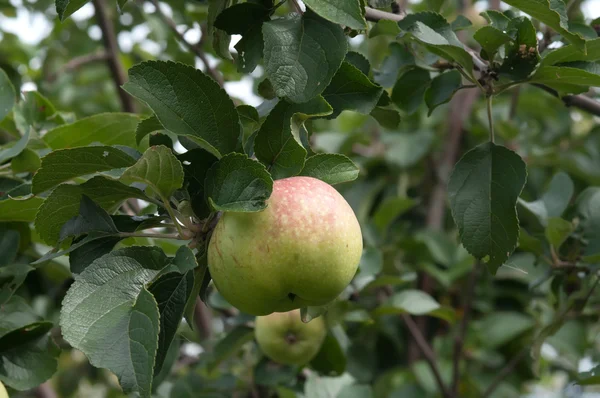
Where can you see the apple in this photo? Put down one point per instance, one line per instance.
(3, 392)
(284, 338)
(302, 250)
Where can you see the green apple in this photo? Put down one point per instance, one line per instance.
(3, 392)
(302, 250)
(284, 338)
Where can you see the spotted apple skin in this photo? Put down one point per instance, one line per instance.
(302, 250)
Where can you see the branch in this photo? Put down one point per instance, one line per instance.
(578, 101)
(460, 337)
(45, 390)
(203, 319)
(195, 48)
(427, 353)
(78, 62)
(112, 51)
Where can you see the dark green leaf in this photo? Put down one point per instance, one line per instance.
(483, 191)
(27, 366)
(220, 38)
(390, 209)
(82, 256)
(578, 74)
(8, 96)
(302, 54)
(497, 19)
(572, 53)
(330, 359)
(348, 13)
(196, 163)
(385, 27)
(11, 278)
(147, 126)
(91, 218)
(331, 168)
(250, 49)
(409, 89)
(399, 59)
(240, 18)
(64, 8)
(9, 245)
(187, 102)
(14, 148)
(20, 210)
(557, 231)
(490, 39)
(387, 118)
(442, 89)
(236, 183)
(359, 61)
(522, 56)
(502, 327)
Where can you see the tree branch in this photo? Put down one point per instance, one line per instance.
(459, 340)
(578, 101)
(203, 319)
(79, 62)
(427, 353)
(112, 51)
(195, 48)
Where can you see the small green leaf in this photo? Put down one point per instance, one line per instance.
(64, 8)
(331, 358)
(196, 163)
(483, 191)
(522, 56)
(307, 314)
(158, 168)
(65, 164)
(552, 13)
(331, 168)
(91, 218)
(572, 53)
(27, 161)
(460, 23)
(123, 336)
(250, 49)
(502, 327)
(409, 90)
(384, 27)
(240, 18)
(20, 210)
(496, 19)
(236, 183)
(277, 144)
(387, 118)
(147, 126)
(324, 387)
(578, 74)
(350, 89)
(490, 39)
(359, 61)
(8, 96)
(348, 13)
(396, 62)
(104, 128)
(442, 89)
(557, 197)
(11, 278)
(557, 231)
(302, 54)
(187, 102)
(14, 148)
(414, 302)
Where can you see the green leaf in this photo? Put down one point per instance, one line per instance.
(63, 203)
(187, 102)
(552, 13)
(415, 302)
(277, 144)
(66, 164)
(490, 39)
(27, 366)
(522, 56)
(196, 163)
(11, 278)
(384, 27)
(589, 378)
(496, 19)
(350, 89)
(483, 191)
(435, 33)
(330, 359)
(396, 62)
(359, 61)
(14, 148)
(34, 110)
(147, 126)
(557, 197)
(442, 89)
(250, 49)
(9, 245)
(8, 96)
(460, 23)
(104, 128)
(571, 53)
(230, 345)
(325, 387)
(201, 279)
(158, 168)
(121, 336)
(409, 90)
(302, 54)
(390, 209)
(91, 218)
(371, 262)
(501, 327)
(236, 183)
(558, 230)
(348, 13)
(574, 74)
(387, 118)
(331, 168)
(81, 256)
(64, 8)
(588, 206)
(240, 18)
(27, 161)
(20, 210)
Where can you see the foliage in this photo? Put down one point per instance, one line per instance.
(464, 146)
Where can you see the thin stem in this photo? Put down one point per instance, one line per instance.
(149, 235)
(462, 332)
(169, 210)
(490, 117)
(427, 353)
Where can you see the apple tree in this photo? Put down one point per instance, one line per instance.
(416, 181)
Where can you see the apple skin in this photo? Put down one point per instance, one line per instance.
(302, 250)
(284, 338)
(3, 392)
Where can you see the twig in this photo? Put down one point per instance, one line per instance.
(203, 319)
(462, 332)
(490, 117)
(78, 62)
(149, 235)
(578, 101)
(195, 48)
(427, 353)
(112, 51)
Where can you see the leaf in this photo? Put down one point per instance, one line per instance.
(490, 39)
(230, 345)
(396, 62)
(460, 23)
(433, 31)
(409, 90)
(552, 13)
(371, 261)
(9, 245)
(389, 210)
(187, 102)
(572, 53)
(557, 197)
(8, 96)
(104, 128)
(359, 61)
(522, 56)
(196, 164)
(13, 149)
(64, 8)
(307, 314)
(81, 256)
(201, 280)
(497, 19)
(414, 302)
(331, 358)
(483, 191)
(122, 334)
(236, 183)
(27, 366)
(325, 387)
(557, 231)
(20, 210)
(556, 76)
(27, 161)
(250, 49)
(302, 54)
(240, 18)
(63, 203)
(276, 146)
(91, 218)
(331, 168)
(387, 118)
(11, 278)
(501, 327)
(384, 27)
(350, 89)
(442, 89)
(348, 13)
(158, 168)
(147, 126)
(65, 164)
(220, 39)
